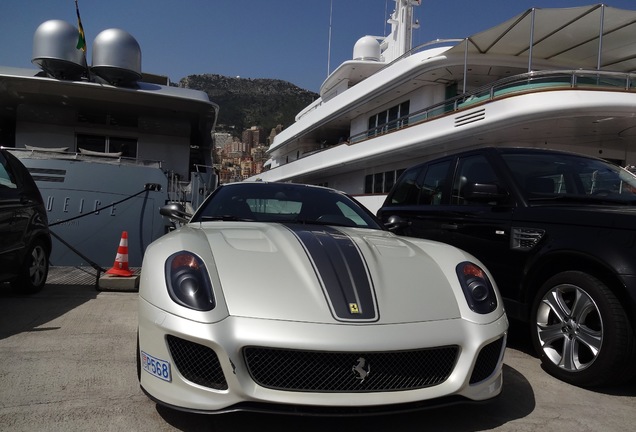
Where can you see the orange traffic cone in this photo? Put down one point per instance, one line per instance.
(120, 268)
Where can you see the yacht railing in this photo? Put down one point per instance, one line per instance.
(530, 82)
(202, 183)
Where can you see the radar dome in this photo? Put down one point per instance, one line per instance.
(367, 48)
(116, 57)
(55, 50)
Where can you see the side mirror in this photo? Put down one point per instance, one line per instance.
(394, 223)
(175, 211)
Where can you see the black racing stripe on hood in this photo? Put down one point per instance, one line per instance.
(342, 270)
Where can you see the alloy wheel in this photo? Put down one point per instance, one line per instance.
(39, 266)
(569, 327)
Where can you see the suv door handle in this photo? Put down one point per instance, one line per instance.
(449, 226)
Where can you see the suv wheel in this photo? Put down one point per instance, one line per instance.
(34, 270)
(581, 331)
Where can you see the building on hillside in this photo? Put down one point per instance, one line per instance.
(252, 137)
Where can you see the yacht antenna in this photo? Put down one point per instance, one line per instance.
(329, 44)
(386, 11)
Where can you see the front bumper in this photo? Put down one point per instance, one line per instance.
(220, 347)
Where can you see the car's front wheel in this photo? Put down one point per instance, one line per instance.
(34, 269)
(581, 331)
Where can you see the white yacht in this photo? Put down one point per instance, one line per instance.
(106, 144)
(552, 78)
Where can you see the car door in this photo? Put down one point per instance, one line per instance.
(460, 201)
(12, 220)
(476, 216)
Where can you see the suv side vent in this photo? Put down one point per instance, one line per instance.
(471, 117)
(525, 239)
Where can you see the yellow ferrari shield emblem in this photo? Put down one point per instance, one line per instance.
(353, 308)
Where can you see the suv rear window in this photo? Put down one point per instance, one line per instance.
(541, 174)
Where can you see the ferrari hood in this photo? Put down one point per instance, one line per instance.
(324, 274)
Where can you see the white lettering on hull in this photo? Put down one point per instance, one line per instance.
(67, 204)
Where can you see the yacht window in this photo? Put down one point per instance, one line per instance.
(106, 144)
(378, 183)
(127, 146)
(381, 182)
(91, 142)
(389, 180)
(393, 118)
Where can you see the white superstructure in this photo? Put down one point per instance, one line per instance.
(554, 78)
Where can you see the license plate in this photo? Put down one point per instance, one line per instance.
(156, 367)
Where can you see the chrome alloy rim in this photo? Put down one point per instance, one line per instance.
(569, 327)
(37, 270)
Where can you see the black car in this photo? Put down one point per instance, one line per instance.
(25, 241)
(558, 232)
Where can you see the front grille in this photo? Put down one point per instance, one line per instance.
(319, 371)
(487, 361)
(197, 363)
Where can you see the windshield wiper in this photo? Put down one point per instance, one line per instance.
(320, 222)
(224, 218)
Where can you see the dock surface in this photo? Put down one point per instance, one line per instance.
(67, 363)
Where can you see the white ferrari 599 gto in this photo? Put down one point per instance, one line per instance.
(293, 298)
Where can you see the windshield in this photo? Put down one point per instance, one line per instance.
(550, 175)
(284, 202)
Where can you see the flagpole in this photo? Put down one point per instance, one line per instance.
(81, 39)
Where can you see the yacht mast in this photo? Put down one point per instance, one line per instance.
(400, 40)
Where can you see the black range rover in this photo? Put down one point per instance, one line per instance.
(557, 231)
(25, 240)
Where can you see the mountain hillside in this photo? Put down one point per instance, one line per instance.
(251, 102)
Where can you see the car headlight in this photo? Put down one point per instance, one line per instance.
(479, 292)
(188, 281)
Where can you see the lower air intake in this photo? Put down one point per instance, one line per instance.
(197, 363)
(487, 361)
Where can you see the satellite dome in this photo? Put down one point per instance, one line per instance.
(116, 57)
(55, 50)
(367, 48)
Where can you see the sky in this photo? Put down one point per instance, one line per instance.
(295, 41)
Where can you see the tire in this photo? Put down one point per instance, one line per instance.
(581, 332)
(34, 269)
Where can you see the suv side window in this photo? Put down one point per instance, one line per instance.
(6, 177)
(421, 185)
(433, 183)
(471, 170)
(406, 191)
